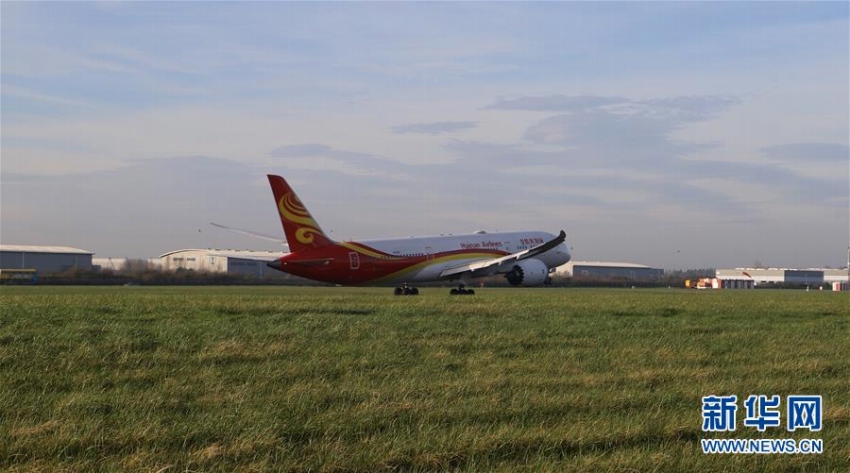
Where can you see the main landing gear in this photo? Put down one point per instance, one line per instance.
(405, 290)
(462, 291)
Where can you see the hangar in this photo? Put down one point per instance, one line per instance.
(782, 275)
(240, 262)
(607, 270)
(44, 259)
(836, 276)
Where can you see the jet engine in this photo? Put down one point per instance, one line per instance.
(528, 272)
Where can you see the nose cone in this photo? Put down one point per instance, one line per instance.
(276, 264)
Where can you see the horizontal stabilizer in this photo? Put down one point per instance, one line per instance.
(280, 266)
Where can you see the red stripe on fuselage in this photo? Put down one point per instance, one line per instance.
(371, 265)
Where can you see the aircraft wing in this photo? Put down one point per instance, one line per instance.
(250, 233)
(262, 257)
(492, 266)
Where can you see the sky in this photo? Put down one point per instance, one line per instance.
(677, 135)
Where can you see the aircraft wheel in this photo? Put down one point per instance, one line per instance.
(470, 292)
(398, 291)
(454, 292)
(414, 291)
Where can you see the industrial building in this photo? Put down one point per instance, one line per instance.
(44, 259)
(750, 277)
(239, 262)
(835, 275)
(718, 283)
(609, 271)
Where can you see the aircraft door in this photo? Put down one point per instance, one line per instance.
(354, 260)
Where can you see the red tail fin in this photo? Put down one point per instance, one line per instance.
(302, 232)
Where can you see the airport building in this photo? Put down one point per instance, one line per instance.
(757, 276)
(238, 262)
(609, 271)
(718, 283)
(44, 259)
(836, 275)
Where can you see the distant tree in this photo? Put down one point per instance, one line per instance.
(677, 277)
(136, 267)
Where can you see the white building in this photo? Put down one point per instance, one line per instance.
(783, 275)
(608, 270)
(835, 275)
(244, 262)
(44, 259)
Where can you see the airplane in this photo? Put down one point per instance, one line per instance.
(524, 258)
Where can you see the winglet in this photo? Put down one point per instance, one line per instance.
(302, 231)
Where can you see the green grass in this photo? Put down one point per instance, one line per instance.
(347, 379)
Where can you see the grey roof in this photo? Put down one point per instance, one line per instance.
(44, 249)
(241, 254)
(606, 264)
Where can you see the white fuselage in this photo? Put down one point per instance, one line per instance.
(465, 249)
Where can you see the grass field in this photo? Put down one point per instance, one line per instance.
(343, 379)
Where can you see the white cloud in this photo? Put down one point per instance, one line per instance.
(554, 103)
(632, 126)
(435, 128)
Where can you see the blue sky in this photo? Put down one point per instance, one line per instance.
(674, 134)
